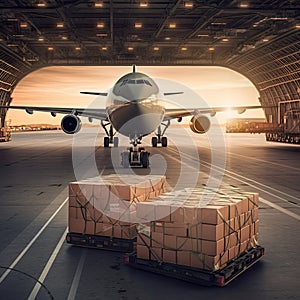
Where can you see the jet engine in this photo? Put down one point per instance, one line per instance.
(200, 124)
(70, 124)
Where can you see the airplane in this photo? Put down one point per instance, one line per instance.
(135, 108)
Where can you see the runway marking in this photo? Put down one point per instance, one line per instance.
(5, 274)
(281, 209)
(76, 279)
(277, 207)
(48, 266)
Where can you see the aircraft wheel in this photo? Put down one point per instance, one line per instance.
(125, 160)
(116, 141)
(154, 141)
(144, 159)
(106, 142)
(164, 141)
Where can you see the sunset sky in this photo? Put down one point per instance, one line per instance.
(60, 87)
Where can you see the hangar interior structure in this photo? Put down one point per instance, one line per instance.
(259, 39)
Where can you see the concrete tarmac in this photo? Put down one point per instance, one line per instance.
(35, 171)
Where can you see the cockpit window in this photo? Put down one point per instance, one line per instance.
(124, 82)
(148, 83)
(132, 81)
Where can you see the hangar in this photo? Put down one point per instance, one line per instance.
(259, 39)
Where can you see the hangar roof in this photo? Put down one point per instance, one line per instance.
(151, 32)
(260, 39)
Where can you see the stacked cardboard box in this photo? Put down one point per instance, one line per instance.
(205, 237)
(106, 205)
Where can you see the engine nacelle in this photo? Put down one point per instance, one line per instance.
(70, 124)
(200, 124)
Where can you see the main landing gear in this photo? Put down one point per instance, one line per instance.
(159, 138)
(110, 138)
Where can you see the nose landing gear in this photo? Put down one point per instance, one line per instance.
(135, 156)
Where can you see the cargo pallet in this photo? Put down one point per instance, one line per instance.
(201, 277)
(101, 242)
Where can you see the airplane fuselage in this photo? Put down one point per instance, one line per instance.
(134, 106)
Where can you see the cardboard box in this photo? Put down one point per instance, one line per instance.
(177, 214)
(145, 211)
(212, 232)
(169, 256)
(197, 245)
(197, 260)
(162, 212)
(213, 248)
(232, 240)
(72, 212)
(229, 227)
(104, 229)
(191, 214)
(156, 254)
(215, 215)
(170, 242)
(184, 244)
(157, 227)
(142, 252)
(212, 263)
(76, 225)
(224, 259)
(244, 233)
(176, 229)
(195, 231)
(232, 253)
(184, 258)
(157, 239)
(143, 239)
(253, 201)
(255, 214)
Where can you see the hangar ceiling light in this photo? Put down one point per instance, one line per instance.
(41, 4)
(172, 25)
(98, 4)
(60, 25)
(138, 25)
(100, 25)
(144, 4)
(244, 5)
(188, 4)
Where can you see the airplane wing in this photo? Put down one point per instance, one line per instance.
(94, 113)
(173, 113)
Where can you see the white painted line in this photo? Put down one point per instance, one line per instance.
(76, 279)
(5, 274)
(48, 266)
(281, 209)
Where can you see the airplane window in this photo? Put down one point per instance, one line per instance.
(140, 81)
(131, 81)
(148, 83)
